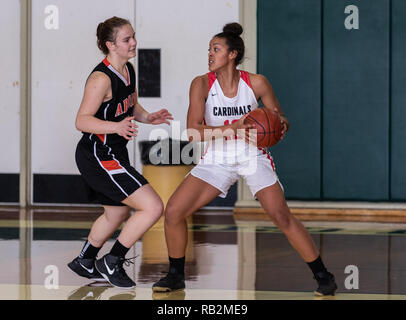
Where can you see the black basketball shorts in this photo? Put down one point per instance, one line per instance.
(107, 172)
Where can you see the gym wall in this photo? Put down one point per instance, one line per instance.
(64, 51)
(341, 89)
(62, 59)
(10, 101)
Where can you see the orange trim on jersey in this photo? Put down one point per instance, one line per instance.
(212, 77)
(106, 62)
(102, 137)
(110, 165)
(246, 77)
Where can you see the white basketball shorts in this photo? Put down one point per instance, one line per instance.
(258, 172)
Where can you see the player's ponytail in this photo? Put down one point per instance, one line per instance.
(231, 32)
(107, 31)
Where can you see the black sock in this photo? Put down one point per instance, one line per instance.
(317, 266)
(177, 265)
(119, 250)
(89, 251)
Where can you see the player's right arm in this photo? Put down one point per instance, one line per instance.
(196, 129)
(97, 90)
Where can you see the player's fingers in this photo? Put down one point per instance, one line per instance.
(242, 119)
(248, 126)
(250, 136)
(253, 139)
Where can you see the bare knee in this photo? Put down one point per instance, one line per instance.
(159, 209)
(282, 218)
(173, 214)
(116, 215)
(155, 209)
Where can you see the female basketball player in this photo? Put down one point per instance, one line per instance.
(105, 117)
(213, 101)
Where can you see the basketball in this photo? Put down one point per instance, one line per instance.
(268, 125)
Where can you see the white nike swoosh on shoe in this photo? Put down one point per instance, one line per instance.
(88, 270)
(108, 269)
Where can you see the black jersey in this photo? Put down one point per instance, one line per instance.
(120, 106)
(102, 159)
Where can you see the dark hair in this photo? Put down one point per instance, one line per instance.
(107, 31)
(231, 32)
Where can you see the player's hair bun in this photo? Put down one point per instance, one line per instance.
(231, 32)
(234, 28)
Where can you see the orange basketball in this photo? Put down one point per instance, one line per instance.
(268, 125)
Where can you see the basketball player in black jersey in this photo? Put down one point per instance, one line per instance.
(105, 117)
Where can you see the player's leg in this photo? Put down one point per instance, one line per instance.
(273, 201)
(107, 224)
(102, 229)
(190, 196)
(263, 182)
(148, 208)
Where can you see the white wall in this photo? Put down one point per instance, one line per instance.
(62, 59)
(10, 87)
(61, 62)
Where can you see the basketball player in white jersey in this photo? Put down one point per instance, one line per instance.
(219, 101)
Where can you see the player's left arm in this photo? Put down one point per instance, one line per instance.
(264, 91)
(142, 115)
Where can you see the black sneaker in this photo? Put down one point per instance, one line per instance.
(85, 268)
(111, 268)
(327, 284)
(171, 282)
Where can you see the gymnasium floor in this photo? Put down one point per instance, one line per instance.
(226, 259)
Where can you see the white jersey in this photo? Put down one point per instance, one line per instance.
(221, 110)
(225, 160)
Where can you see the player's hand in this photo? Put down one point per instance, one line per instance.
(161, 116)
(126, 128)
(284, 121)
(245, 131)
